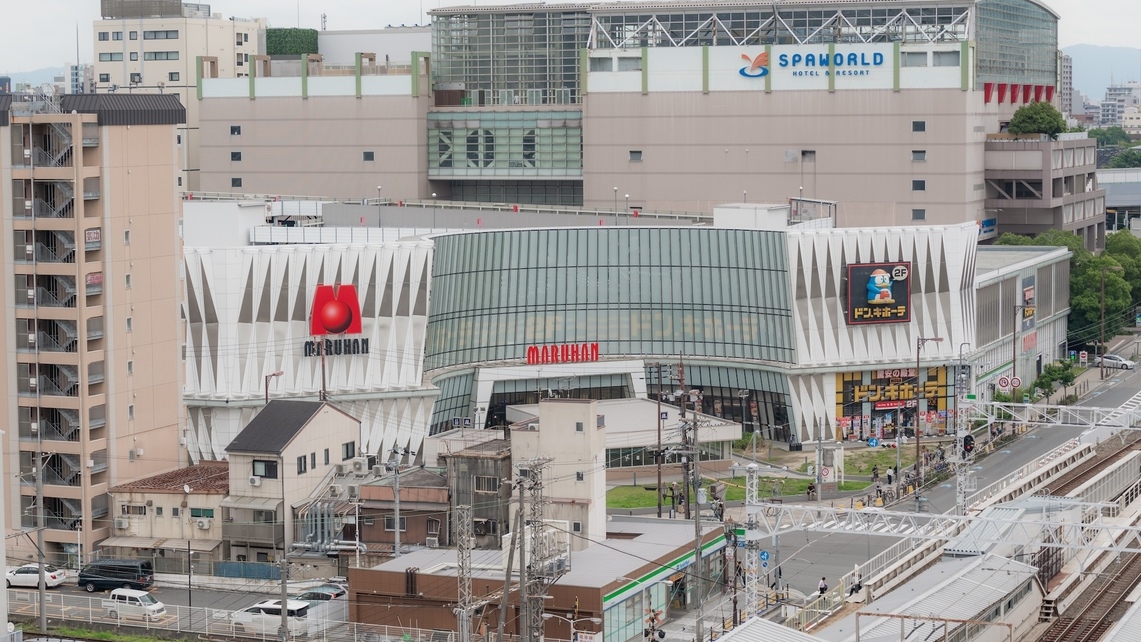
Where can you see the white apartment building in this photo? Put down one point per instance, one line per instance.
(154, 47)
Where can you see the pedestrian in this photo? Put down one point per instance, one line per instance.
(823, 586)
(889, 471)
(857, 584)
(875, 473)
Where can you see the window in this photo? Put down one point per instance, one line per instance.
(578, 426)
(433, 526)
(485, 484)
(390, 523)
(133, 509)
(160, 55)
(130, 367)
(918, 125)
(117, 35)
(134, 56)
(127, 281)
(134, 35)
(174, 511)
(180, 181)
(946, 58)
(576, 527)
(126, 237)
(235, 130)
(104, 77)
(326, 456)
(130, 324)
(235, 156)
(808, 155)
(104, 36)
(579, 476)
(136, 78)
(913, 59)
(629, 64)
(245, 37)
(158, 509)
(240, 60)
(265, 516)
(110, 57)
(178, 139)
(312, 461)
(202, 512)
(348, 450)
(301, 464)
(131, 411)
(173, 76)
(919, 215)
(369, 156)
(919, 154)
(919, 186)
(635, 155)
(160, 35)
(601, 64)
(266, 468)
(235, 182)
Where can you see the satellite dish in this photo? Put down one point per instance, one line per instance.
(186, 488)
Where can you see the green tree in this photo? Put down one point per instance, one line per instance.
(1127, 158)
(1110, 137)
(1054, 238)
(1086, 297)
(1125, 248)
(1037, 118)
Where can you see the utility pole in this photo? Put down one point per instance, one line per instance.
(695, 479)
(681, 419)
(464, 540)
(658, 457)
(732, 527)
(40, 526)
(752, 545)
(398, 452)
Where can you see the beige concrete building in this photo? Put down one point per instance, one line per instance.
(155, 47)
(91, 298)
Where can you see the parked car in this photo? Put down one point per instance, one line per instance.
(131, 603)
(322, 593)
(264, 618)
(1115, 361)
(29, 575)
(101, 575)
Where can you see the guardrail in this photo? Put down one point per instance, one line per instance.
(205, 621)
(1026, 472)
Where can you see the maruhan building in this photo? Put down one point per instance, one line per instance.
(803, 331)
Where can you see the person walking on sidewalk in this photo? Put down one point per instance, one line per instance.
(889, 472)
(823, 586)
(875, 474)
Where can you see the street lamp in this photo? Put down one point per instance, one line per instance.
(267, 378)
(378, 210)
(1101, 359)
(569, 619)
(960, 383)
(433, 211)
(919, 343)
(615, 201)
(626, 214)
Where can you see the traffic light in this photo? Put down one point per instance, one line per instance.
(968, 444)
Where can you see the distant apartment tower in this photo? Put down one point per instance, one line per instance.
(154, 46)
(90, 282)
(82, 79)
(1067, 84)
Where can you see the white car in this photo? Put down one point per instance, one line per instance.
(28, 575)
(1114, 361)
(264, 618)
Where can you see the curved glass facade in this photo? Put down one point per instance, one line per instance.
(696, 292)
(1017, 42)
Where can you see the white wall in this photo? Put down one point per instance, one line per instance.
(220, 223)
(397, 43)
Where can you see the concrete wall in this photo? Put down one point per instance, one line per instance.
(395, 44)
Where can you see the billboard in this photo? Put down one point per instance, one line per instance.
(1029, 307)
(879, 293)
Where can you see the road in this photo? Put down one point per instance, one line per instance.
(208, 598)
(806, 557)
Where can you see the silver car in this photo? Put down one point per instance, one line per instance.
(1114, 361)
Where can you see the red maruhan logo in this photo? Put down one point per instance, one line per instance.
(757, 67)
(335, 310)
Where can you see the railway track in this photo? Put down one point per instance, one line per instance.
(1107, 453)
(1096, 615)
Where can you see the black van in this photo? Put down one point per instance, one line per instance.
(112, 574)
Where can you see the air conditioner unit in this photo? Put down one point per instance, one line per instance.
(122, 524)
(340, 469)
(359, 465)
(255, 480)
(138, 452)
(336, 489)
(432, 542)
(354, 491)
(32, 339)
(378, 470)
(205, 524)
(32, 383)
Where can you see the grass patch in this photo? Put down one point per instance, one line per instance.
(862, 461)
(645, 496)
(111, 636)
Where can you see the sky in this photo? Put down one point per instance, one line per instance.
(41, 33)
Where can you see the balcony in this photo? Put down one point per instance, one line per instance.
(94, 284)
(95, 373)
(91, 188)
(46, 336)
(55, 291)
(264, 533)
(90, 134)
(92, 239)
(56, 380)
(94, 328)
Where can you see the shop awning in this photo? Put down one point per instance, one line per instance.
(252, 503)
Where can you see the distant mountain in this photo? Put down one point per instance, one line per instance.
(1096, 67)
(37, 76)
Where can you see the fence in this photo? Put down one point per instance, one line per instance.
(328, 621)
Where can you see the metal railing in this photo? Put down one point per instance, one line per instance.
(216, 622)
